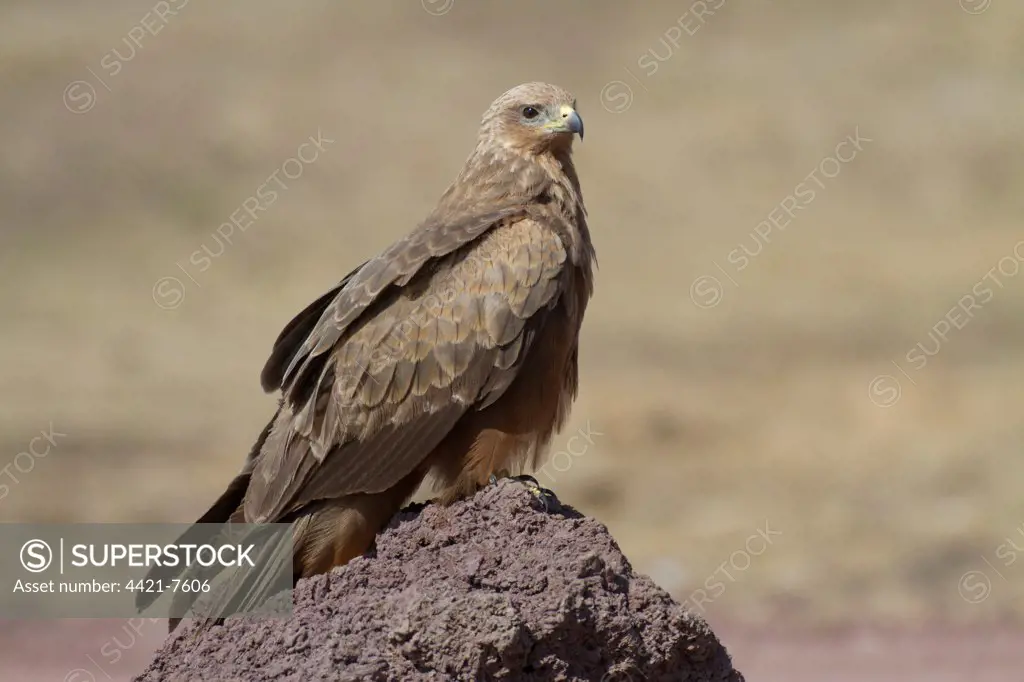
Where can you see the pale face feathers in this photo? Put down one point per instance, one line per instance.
(532, 118)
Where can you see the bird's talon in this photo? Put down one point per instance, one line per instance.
(546, 497)
(527, 478)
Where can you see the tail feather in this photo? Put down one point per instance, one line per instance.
(242, 592)
(219, 513)
(223, 510)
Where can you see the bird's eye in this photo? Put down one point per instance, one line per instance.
(530, 112)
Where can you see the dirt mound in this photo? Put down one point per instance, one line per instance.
(490, 588)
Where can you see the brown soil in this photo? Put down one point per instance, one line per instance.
(490, 588)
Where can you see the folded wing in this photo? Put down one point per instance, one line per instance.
(435, 327)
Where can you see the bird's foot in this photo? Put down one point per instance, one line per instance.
(546, 497)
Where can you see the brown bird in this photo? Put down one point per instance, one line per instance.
(452, 354)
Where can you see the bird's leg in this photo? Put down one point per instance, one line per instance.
(546, 497)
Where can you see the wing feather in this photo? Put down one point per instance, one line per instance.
(396, 267)
(294, 334)
(397, 381)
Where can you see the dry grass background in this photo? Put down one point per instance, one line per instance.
(713, 421)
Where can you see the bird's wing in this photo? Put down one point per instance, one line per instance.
(291, 338)
(395, 267)
(435, 327)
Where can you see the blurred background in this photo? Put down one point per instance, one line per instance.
(802, 369)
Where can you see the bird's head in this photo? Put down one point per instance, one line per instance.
(532, 118)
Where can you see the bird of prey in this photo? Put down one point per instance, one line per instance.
(452, 354)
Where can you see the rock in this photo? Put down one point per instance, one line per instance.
(489, 588)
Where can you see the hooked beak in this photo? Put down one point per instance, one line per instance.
(567, 122)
